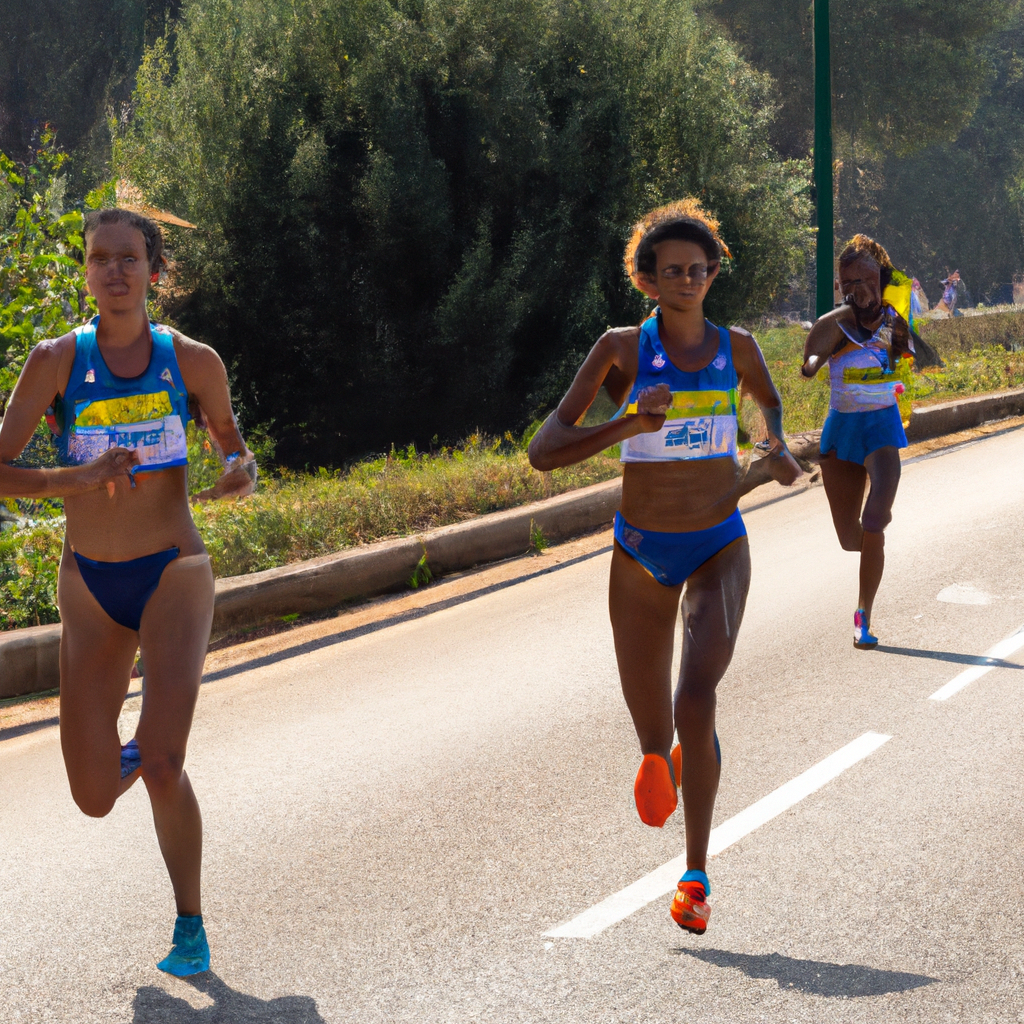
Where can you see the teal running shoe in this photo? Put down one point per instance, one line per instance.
(191, 952)
(862, 639)
(131, 759)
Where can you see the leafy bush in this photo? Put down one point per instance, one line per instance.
(411, 213)
(29, 560)
(42, 283)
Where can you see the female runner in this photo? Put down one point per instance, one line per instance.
(134, 570)
(863, 341)
(676, 379)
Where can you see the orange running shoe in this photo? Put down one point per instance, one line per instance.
(653, 791)
(677, 764)
(690, 908)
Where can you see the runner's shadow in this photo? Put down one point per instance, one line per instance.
(959, 659)
(814, 976)
(155, 1006)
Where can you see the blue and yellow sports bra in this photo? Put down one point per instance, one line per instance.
(701, 421)
(859, 373)
(98, 411)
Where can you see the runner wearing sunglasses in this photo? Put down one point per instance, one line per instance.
(676, 379)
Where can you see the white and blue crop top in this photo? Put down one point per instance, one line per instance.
(701, 421)
(98, 411)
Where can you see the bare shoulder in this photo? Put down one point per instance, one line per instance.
(746, 352)
(52, 349)
(741, 337)
(834, 317)
(52, 358)
(196, 360)
(620, 337)
(619, 345)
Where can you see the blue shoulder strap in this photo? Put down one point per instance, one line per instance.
(165, 361)
(652, 352)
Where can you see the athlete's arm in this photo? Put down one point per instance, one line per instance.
(204, 375)
(46, 374)
(756, 381)
(559, 442)
(821, 343)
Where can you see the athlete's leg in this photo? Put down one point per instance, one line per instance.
(844, 484)
(643, 614)
(883, 470)
(175, 633)
(96, 656)
(713, 604)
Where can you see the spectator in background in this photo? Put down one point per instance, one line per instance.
(951, 286)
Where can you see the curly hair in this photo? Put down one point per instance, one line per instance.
(116, 215)
(861, 246)
(685, 220)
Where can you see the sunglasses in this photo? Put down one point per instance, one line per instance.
(695, 271)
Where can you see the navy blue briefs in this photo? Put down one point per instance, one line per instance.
(123, 588)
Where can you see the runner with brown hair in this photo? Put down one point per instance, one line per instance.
(677, 380)
(863, 341)
(119, 392)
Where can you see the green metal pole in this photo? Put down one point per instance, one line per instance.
(823, 155)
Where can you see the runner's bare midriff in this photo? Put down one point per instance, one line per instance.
(679, 497)
(153, 516)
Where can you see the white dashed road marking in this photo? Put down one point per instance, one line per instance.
(1001, 650)
(663, 880)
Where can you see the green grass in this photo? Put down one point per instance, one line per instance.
(301, 516)
(298, 516)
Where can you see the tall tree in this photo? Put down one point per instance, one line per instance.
(411, 214)
(64, 63)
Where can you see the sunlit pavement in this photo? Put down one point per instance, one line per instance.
(395, 821)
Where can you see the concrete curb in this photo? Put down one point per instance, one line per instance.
(952, 417)
(387, 565)
(29, 660)
(29, 657)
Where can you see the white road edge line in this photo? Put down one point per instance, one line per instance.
(1001, 650)
(663, 880)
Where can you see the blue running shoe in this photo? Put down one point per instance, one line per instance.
(862, 639)
(131, 759)
(191, 952)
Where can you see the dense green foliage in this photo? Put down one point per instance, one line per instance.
(390, 190)
(928, 107)
(42, 285)
(905, 73)
(411, 214)
(64, 63)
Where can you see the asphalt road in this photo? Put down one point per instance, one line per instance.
(396, 816)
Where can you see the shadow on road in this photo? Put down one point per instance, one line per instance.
(10, 731)
(155, 1006)
(813, 976)
(959, 659)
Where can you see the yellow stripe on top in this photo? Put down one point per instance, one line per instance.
(111, 412)
(867, 375)
(686, 404)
